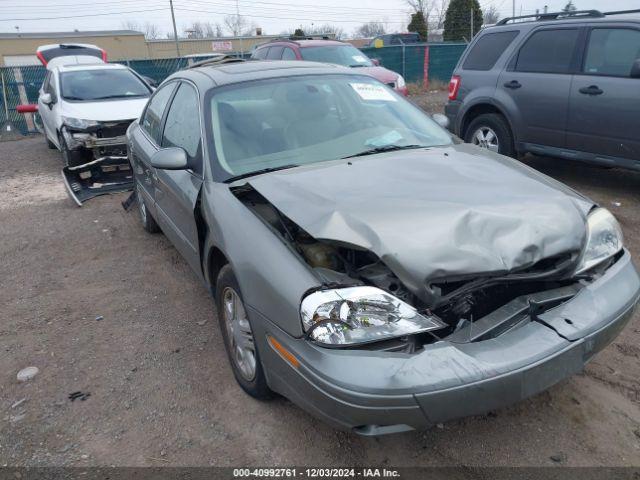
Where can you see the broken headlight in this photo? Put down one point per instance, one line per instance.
(604, 239)
(78, 123)
(354, 315)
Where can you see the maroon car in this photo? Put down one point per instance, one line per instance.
(328, 51)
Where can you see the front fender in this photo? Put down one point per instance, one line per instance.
(272, 279)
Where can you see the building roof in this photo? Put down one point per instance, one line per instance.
(75, 33)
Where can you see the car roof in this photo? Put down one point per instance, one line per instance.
(209, 76)
(90, 66)
(578, 20)
(302, 43)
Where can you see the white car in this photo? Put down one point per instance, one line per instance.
(86, 106)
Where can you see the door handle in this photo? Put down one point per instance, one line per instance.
(513, 84)
(591, 90)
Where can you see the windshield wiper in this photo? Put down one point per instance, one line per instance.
(117, 96)
(259, 172)
(386, 148)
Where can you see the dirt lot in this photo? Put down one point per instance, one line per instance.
(100, 306)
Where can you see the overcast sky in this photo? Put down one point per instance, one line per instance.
(274, 16)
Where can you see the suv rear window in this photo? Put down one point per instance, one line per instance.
(548, 51)
(487, 50)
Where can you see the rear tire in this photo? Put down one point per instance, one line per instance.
(491, 131)
(249, 374)
(148, 222)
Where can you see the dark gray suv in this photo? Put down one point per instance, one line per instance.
(563, 85)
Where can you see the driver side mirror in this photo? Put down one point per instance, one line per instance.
(173, 158)
(441, 120)
(635, 69)
(375, 61)
(47, 99)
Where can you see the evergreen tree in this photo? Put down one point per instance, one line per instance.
(569, 7)
(457, 23)
(418, 25)
(298, 33)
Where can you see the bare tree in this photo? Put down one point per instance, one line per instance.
(195, 30)
(238, 25)
(434, 11)
(151, 30)
(325, 29)
(491, 15)
(370, 29)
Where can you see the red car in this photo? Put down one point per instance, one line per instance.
(329, 51)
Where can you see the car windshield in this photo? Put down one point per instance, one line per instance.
(340, 54)
(101, 84)
(281, 122)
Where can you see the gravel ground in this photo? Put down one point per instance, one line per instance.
(101, 307)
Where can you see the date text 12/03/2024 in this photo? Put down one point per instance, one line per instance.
(315, 473)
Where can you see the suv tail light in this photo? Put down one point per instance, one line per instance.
(454, 86)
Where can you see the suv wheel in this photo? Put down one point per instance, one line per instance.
(492, 132)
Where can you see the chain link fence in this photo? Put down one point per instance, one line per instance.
(20, 85)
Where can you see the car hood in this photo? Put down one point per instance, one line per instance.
(105, 111)
(379, 73)
(434, 214)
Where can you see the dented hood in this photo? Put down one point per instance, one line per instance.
(434, 214)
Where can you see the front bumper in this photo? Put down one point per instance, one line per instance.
(451, 111)
(382, 392)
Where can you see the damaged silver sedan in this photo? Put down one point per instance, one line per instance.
(366, 264)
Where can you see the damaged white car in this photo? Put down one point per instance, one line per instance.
(86, 106)
(365, 263)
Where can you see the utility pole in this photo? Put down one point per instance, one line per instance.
(238, 24)
(471, 38)
(175, 30)
(514, 8)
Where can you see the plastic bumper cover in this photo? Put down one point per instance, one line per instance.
(380, 392)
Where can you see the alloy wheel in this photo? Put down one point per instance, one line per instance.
(485, 137)
(239, 333)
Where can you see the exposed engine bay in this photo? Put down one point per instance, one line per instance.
(105, 166)
(474, 309)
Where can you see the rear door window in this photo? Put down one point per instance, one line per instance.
(548, 51)
(152, 120)
(275, 53)
(612, 51)
(288, 54)
(487, 50)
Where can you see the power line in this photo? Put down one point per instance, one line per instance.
(81, 16)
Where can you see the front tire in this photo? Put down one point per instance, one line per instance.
(71, 158)
(491, 131)
(148, 222)
(50, 144)
(237, 334)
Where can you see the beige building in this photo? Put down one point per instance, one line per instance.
(20, 48)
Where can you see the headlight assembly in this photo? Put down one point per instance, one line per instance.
(604, 239)
(355, 315)
(78, 123)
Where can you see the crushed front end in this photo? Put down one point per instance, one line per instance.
(101, 165)
(478, 341)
